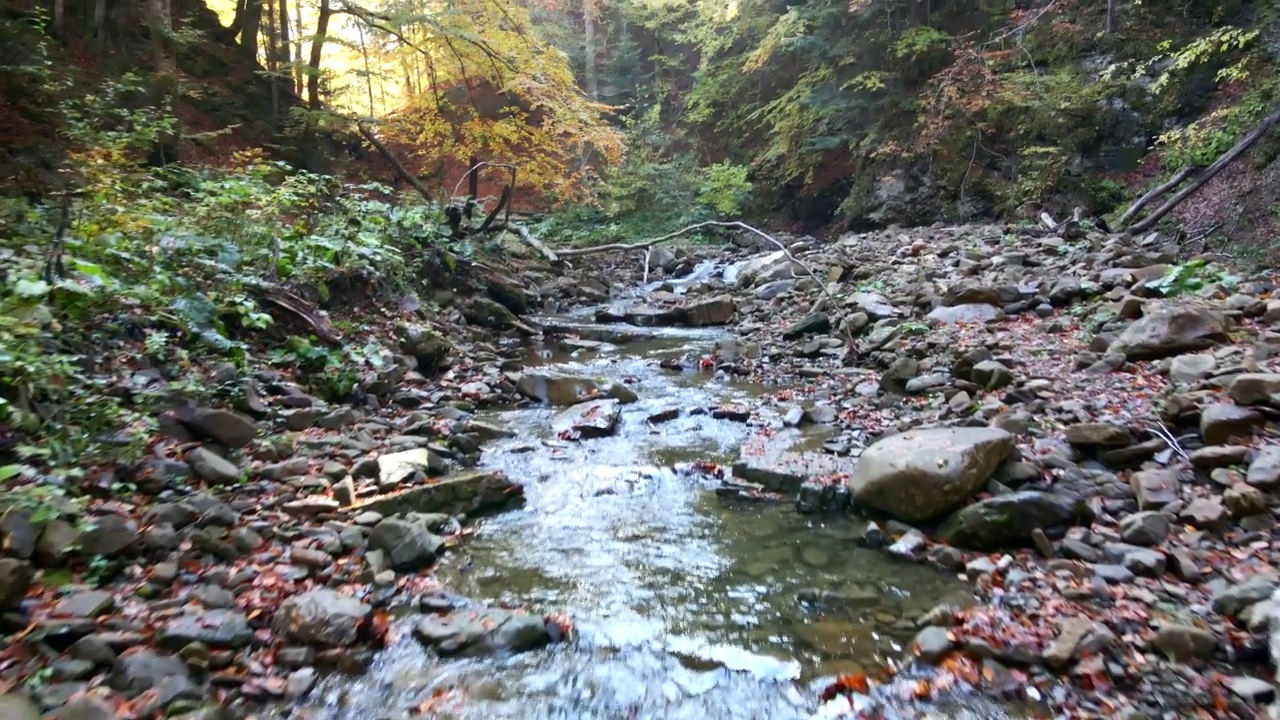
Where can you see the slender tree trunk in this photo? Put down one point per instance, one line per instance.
(59, 13)
(237, 21)
(1111, 16)
(589, 42)
(286, 54)
(368, 76)
(273, 58)
(100, 21)
(297, 48)
(249, 30)
(317, 48)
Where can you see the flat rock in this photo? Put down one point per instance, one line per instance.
(395, 468)
(486, 632)
(921, 475)
(229, 429)
(563, 390)
(469, 492)
(1155, 489)
(1221, 423)
(1255, 389)
(214, 628)
(1145, 528)
(87, 604)
(321, 617)
(1181, 643)
(16, 707)
(1099, 435)
(1264, 471)
(593, 419)
(211, 467)
(408, 541)
(1167, 329)
(1010, 520)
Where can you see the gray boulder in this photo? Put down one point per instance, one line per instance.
(1010, 520)
(321, 617)
(921, 475)
(1171, 329)
(487, 632)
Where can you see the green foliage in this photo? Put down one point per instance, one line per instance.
(136, 267)
(657, 188)
(1190, 277)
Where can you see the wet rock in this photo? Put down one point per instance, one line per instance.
(396, 468)
(212, 468)
(1219, 424)
(1011, 519)
(921, 475)
(429, 348)
(227, 428)
(1145, 528)
(468, 492)
(408, 541)
(898, 375)
(560, 390)
(594, 419)
(932, 644)
(765, 269)
(1170, 329)
(491, 314)
(1181, 643)
(213, 628)
(817, 322)
(716, 310)
(487, 632)
(1216, 456)
(321, 617)
(1256, 389)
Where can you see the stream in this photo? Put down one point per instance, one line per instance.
(686, 605)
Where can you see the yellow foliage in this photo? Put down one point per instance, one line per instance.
(492, 90)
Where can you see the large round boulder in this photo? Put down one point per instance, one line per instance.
(922, 475)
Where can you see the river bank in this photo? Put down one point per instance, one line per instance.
(1104, 509)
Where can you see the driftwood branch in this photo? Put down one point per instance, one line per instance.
(647, 244)
(502, 202)
(1208, 174)
(395, 162)
(1156, 192)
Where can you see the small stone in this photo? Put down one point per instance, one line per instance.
(1155, 489)
(210, 467)
(932, 644)
(1264, 471)
(1099, 435)
(89, 604)
(344, 491)
(1145, 528)
(1244, 501)
(1252, 689)
(1206, 513)
(1181, 643)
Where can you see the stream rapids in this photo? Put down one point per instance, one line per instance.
(687, 606)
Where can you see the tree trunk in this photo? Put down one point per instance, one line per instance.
(273, 59)
(368, 76)
(297, 48)
(286, 54)
(1111, 16)
(237, 21)
(589, 43)
(249, 30)
(317, 47)
(59, 13)
(100, 21)
(1218, 165)
(158, 25)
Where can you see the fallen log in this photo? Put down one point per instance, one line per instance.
(1208, 174)
(395, 162)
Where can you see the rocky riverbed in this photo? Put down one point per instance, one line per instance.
(964, 471)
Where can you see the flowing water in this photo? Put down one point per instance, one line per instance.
(686, 605)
